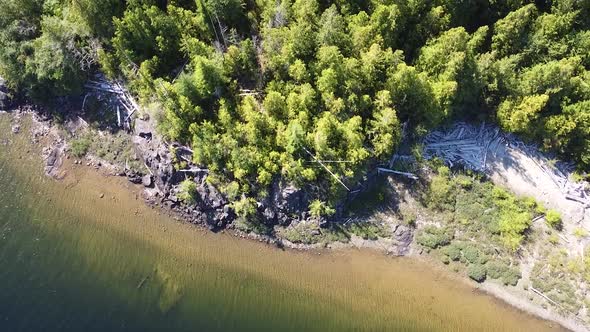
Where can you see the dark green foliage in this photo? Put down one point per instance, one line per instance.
(499, 270)
(472, 254)
(477, 272)
(433, 237)
(453, 251)
(80, 146)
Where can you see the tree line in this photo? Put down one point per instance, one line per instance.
(268, 89)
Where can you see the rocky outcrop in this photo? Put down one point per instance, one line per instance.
(402, 237)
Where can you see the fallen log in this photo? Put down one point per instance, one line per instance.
(386, 170)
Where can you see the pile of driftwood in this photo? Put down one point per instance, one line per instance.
(470, 145)
(465, 145)
(115, 95)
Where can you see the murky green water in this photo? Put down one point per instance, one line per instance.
(72, 261)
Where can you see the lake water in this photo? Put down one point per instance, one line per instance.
(73, 261)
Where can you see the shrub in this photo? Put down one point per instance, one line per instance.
(471, 253)
(441, 194)
(511, 276)
(318, 208)
(477, 272)
(188, 191)
(80, 146)
(367, 230)
(433, 237)
(464, 181)
(453, 251)
(496, 269)
(580, 232)
(409, 217)
(499, 270)
(553, 219)
(245, 207)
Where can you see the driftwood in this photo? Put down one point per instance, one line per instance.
(121, 95)
(408, 175)
(194, 170)
(118, 116)
(470, 146)
(142, 282)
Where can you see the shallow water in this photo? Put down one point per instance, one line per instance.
(72, 261)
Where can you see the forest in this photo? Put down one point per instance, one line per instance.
(266, 89)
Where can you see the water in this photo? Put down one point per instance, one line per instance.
(72, 261)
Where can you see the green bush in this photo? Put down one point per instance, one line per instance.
(366, 230)
(433, 237)
(318, 208)
(472, 254)
(499, 270)
(453, 251)
(553, 219)
(409, 217)
(511, 276)
(495, 270)
(476, 272)
(441, 193)
(80, 146)
(188, 191)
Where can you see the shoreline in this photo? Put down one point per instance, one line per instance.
(507, 297)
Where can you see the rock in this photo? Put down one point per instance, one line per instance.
(147, 180)
(134, 177)
(52, 158)
(269, 214)
(16, 129)
(101, 195)
(211, 196)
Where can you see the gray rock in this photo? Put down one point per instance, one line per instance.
(52, 158)
(211, 196)
(146, 180)
(16, 129)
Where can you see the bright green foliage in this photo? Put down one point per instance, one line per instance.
(441, 194)
(245, 207)
(318, 208)
(188, 191)
(518, 116)
(262, 90)
(553, 219)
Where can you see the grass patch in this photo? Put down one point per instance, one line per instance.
(80, 146)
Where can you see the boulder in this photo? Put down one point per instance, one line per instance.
(146, 180)
(134, 177)
(52, 158)
(210, 196)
